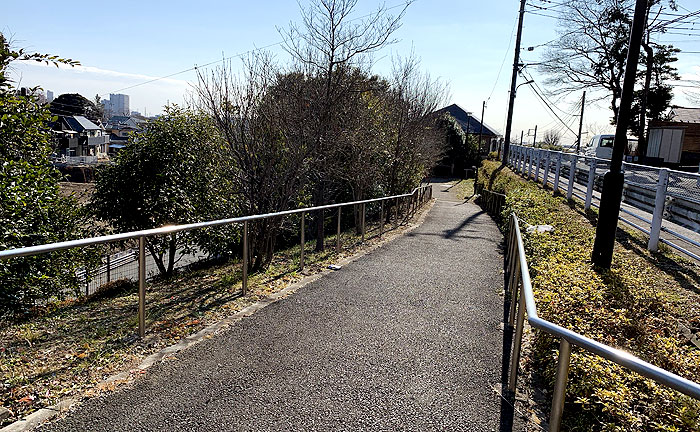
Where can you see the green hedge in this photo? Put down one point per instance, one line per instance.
(636, 306)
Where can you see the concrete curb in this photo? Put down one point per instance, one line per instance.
(128, 377)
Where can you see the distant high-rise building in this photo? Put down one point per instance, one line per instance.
(119, 104)
(49, 96)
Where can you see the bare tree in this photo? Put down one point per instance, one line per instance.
(327, 46)
(416, 145)
(551, 138)
(592, 50)
(253, 113)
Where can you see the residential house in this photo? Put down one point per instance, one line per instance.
(677, 140)
(457, 160)
(120, 128)
(78, 136)
(472, 126)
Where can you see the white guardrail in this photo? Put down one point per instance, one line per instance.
(522, 302)
(653, 195)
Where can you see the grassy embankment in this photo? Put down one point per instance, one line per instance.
(643, 305)
(69, 348)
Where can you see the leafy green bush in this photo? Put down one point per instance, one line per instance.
(32, 211)
(174, 172)
(635, 306)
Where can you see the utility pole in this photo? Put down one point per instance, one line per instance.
(614, 179)
(521, 138)
(580, 123)
(513, 79)
(534, 137)
(469, 123)
(481, 128)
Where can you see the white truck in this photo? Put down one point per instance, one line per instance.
(601, 146)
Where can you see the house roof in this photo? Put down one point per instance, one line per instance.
(80, 123)
(473, 126)
(685, 115)
(122, 122)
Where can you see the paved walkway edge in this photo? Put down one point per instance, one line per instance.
(128, 377)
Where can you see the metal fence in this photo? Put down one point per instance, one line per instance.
(662, 203)
(490, 201)
(522, 302)
(406, 204)
(125, 265)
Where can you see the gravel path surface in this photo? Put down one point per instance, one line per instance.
(405, 338)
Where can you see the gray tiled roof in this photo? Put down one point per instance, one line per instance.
(685, 115)
(460, 114)
(80, 123)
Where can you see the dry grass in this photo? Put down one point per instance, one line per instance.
(73, 346)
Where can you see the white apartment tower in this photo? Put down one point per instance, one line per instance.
(118, 104)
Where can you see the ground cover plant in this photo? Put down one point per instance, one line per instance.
(68, 348)
(644, 304)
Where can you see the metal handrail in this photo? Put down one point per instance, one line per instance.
(418, 196)
(170, 229)
(519, 275)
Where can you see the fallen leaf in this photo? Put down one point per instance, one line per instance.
(27, 399)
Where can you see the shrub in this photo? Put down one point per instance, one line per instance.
(634, 306)
(32, 211)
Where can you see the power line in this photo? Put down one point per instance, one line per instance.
(404, 4)
(500, 69)
(534, 89)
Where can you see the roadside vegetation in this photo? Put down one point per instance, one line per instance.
(647, 304)
(69, 349)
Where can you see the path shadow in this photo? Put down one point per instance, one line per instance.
(448, 234)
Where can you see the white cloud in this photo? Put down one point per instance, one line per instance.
(106, 72)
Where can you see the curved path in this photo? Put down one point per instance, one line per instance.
(405, 338)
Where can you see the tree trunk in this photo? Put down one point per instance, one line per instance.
(642, 147)
(172, 248)
(157, 258)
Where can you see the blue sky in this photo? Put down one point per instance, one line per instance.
(124, 43)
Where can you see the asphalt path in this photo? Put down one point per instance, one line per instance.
(408, 337)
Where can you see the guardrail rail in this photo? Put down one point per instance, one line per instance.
(522, 302)
(652, 195)
(410, 202)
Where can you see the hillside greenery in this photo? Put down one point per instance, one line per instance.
(639, 306)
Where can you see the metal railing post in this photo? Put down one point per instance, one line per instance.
(337, 234)
(514, 293)
(548, 160)
(591, 182)
(515, 358)
(557, 172)
(560, 385)
(659, 206)
(529, 165)
(381, 220)
(301, 259)
(363, 222)
(537, 167)
(396, 213)
(142, 286)
(109, 265)
(519, 161)
(523, 156)
(244, 286)
(572, 177)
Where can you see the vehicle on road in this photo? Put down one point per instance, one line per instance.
(601, 146)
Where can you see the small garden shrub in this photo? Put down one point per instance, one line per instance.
(636, 306)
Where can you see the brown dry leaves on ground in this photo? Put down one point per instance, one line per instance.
(71, 347)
